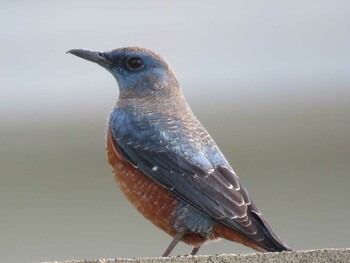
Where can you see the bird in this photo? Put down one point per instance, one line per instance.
(166, 163)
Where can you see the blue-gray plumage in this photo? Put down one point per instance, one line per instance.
(156, 132)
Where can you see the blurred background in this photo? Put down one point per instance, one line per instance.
(270, 81)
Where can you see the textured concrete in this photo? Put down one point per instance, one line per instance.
(307, 256)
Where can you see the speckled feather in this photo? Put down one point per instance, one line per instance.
(190, 165)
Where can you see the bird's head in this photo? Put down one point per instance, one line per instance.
(139, 72)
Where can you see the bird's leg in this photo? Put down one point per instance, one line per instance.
(195, 250)
(173, 243)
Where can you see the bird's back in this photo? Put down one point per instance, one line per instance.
(176, 152)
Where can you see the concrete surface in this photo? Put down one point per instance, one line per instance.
(307, 256)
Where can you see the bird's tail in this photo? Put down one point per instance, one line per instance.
(270, 243)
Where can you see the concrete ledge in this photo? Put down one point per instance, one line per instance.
(307, 256)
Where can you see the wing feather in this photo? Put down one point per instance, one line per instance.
(188, 163)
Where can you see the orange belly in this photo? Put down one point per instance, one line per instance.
(149, 198)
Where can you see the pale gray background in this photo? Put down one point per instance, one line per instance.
(269, 79)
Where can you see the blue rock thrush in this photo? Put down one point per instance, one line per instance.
(166, 163)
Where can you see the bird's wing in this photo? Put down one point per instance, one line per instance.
(172, 156)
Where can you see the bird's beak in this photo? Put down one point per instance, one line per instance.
(93, 56)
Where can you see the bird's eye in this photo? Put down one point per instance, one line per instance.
(134, 63)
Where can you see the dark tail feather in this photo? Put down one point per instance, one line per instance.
(272, 242)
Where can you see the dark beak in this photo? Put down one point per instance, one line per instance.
(93, 56)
